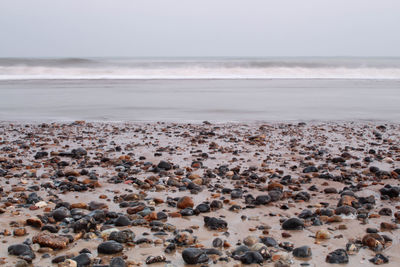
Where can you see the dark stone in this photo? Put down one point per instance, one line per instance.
(51, 228)
(236, 193)
(170, 248)
(251, 257)
(347, 210)
(293, 224)
(326, 212)
(164, 165)
(60, 214)
(338, 160)
(373, 169)
(82, 259)
(330, 190)
(33, 198)
(41, 154)
(263, 199)
(240, 250)
(367, 200)
(122, 221)
(316, 222)
(3, 173)
(385, 212)
(269, 241)
(194, 256)
(23, 251)
(305, 196)
(216, 205)
(78, 152)
(118, 262)
(162, 216)
(215, 223)
(217, 243)
(305, 214)
(187, 212)
(379, 259)
(110, 247)
(61, 258)
(391, 191)
(84, 224)
(310, 169)
(275, 195)
(203, 208)
(338, 256)
(302, 252)
(122, 236)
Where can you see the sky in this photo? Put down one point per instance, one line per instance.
(203, 28)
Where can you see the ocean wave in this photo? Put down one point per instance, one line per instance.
(79, 68)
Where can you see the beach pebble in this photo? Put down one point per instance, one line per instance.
(110, 247)
(19, 231)
(322, 234)
(21, 263)
(23, 251)
(122, 221)
(250, 240)
(47, 239)
(251, 257)
(338, 256)
(194, 256)
(155, 259)
(215, 223)
(60, 214)
(83, 259)
(302, 252)
(379, 259)
(185, 202)
(118, 262)
(293, 224)
(68, 263)
(164, 165)
(122, 236)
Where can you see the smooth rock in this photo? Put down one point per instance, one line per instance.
(251, 257)
(338, 256)
(293, 224)
(118, 262)
(215, 223)
(302, 252)
(194, 256)
(185, 202)
(110, 247)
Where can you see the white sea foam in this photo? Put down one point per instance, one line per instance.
(19, 69)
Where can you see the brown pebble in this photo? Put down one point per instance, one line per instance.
(185, 202)
(286, 235)
(20, 232)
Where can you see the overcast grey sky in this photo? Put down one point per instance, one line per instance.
(170, 28)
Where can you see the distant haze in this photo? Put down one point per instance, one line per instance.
(206, 28)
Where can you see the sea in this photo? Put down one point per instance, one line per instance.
(200, 89)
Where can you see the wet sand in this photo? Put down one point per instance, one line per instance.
(278, 100)
(118, 164)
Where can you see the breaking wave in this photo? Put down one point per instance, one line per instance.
(274, 68)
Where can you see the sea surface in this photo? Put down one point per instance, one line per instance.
(193, 90)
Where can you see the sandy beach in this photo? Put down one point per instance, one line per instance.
(173, 133)
(123, 194)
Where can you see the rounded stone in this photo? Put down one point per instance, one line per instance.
(110, 247)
